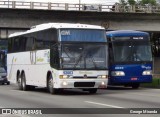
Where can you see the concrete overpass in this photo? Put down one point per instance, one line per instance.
(24, 18)
(17, 15)
(13, 20)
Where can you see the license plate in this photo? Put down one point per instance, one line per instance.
(133, 78)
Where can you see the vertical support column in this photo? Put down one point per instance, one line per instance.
(132, 8)
(3, 33)
(100, 8)
(49, 6)
(79, 5)
(31, 5)
(13, 4)
(117, 7)
(66, 6)
(149, 8)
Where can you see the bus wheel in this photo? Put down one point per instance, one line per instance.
(8, 83)
(135, 86)
(24, 86)
(50, 86)
(19, 82)
(92, 91)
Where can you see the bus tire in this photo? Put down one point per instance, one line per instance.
(31, 87)
(19, 82)
(93, 91)
(24, 86)
(8, 83)
(135, 86)
(50, 85)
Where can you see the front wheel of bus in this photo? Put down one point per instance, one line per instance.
(92, 91)
(50, 86)
(135, 86)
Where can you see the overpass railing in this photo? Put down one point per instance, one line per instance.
(79, 7)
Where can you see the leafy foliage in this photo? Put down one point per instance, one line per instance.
(133, 2)
(152, 2)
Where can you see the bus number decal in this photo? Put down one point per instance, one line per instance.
(67, 72)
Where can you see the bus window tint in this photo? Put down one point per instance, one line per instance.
(84, 56)
(122, 51)
(142, 51)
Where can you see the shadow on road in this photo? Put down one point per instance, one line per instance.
(119, 88)
(75, 92)
(65, 92)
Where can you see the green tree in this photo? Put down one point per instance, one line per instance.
(131, 2)
(152, 2)
(123, 2)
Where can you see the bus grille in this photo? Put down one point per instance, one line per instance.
(84, 84)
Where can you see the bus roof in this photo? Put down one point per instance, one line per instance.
(120, 33)
(57, 26)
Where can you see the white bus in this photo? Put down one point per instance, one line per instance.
(59, 56)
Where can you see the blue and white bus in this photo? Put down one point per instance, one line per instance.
(59, 56)
(130, 58)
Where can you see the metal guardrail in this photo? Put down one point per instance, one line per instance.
(79, 7)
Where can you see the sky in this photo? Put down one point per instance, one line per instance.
(75, 1)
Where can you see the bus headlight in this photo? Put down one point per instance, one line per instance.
(102, 76)
(63, 76)
(65, 83)
(147, 72)
(117, 73)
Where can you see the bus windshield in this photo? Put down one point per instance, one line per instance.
(131, 51)
(84, 56)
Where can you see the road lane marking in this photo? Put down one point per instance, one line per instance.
(112, 106)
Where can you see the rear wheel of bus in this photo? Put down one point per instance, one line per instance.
(19, 82)
(24, 86)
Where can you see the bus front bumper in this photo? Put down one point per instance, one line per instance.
(82, 83)
(120, 80)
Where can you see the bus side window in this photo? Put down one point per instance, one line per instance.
(30, 44)
(54, 56)
(10, 45)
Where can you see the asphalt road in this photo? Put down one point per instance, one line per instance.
(113, 97)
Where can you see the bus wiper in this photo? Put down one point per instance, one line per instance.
(80, 57)
(93, 61)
